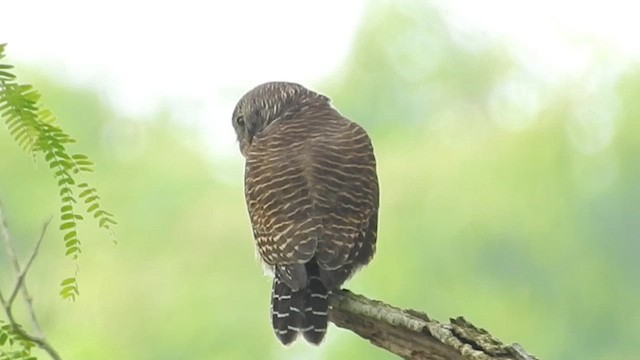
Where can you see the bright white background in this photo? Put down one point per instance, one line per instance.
(196, 58)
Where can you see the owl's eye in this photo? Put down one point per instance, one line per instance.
(240, 120)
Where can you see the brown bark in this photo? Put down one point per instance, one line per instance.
(413, 335)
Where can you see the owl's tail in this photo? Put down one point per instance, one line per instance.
(303, 311)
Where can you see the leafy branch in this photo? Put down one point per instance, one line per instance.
(19, 347)
(34, 129)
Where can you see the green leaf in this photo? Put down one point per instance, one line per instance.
(68, 225)
(68, 281)
(69, 292)
(105, 221)
(66, 180)
(68, 296)
(70, 235)
(91, 199)
(79, 157)
(72, 250)
(71, 243)
(18, 132)
(86, 192)
(62, 154)
(92, 207)
(7, 75)
(68, 199)
(67, 216)
(84, 162)
(56, 145)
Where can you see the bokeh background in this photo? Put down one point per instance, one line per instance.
(508, 146)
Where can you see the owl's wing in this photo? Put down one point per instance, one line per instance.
(279, 202)
(360, 255)
(347, 178)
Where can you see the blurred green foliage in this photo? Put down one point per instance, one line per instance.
(34, 129)
(523, 218)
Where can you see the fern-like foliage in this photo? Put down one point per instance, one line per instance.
(34, 128)
(17, 347)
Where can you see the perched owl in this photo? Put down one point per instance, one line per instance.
(312, 194)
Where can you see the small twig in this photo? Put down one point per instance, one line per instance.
(7, 304)
(22, 274)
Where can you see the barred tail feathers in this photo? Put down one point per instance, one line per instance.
(280, 312)
(316, 307)
(304, 311)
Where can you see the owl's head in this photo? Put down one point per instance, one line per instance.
(267, 103)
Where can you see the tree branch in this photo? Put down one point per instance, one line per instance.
(21, 274)
(413, 335)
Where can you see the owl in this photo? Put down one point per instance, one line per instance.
(312, 195)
